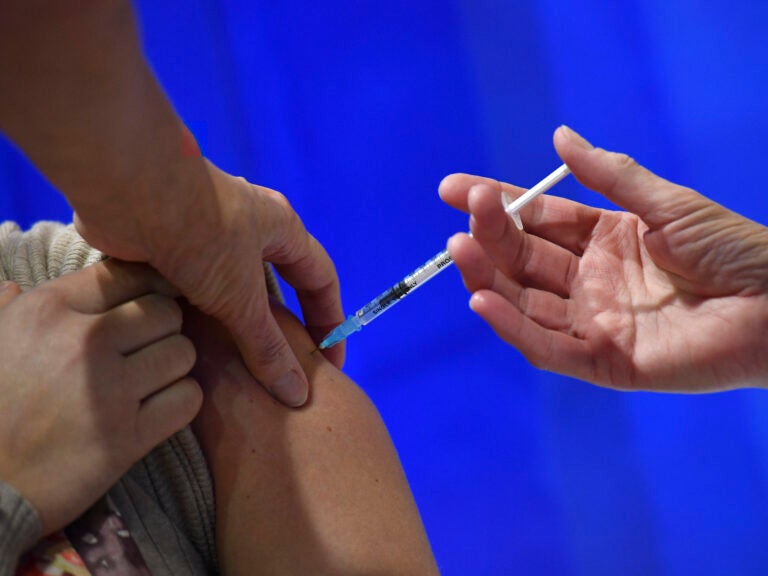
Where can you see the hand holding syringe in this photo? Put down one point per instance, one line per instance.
(431, 268)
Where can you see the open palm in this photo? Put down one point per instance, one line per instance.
(671, 295)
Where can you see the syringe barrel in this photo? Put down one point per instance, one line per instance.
(392, 296)
(428, 270)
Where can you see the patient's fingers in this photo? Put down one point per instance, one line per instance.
(158, 365)
(167, 411)
(98, 288)
(142, 321)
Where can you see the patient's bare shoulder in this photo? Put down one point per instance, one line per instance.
(318, 490)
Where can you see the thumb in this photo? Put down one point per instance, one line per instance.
(625, 182)
(271, 361)
(8, 291)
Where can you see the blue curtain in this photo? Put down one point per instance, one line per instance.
(356, 110)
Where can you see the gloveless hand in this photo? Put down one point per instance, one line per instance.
(93, 375)
(212, 245)
(670, 295)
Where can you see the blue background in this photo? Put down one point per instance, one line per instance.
(356, 110)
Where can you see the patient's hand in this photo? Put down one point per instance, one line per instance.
(92, 376)
(313, 491)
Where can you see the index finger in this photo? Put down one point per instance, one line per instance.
(559, 220)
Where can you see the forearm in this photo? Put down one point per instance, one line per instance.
(81, 102)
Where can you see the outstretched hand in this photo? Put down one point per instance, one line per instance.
(671, 295)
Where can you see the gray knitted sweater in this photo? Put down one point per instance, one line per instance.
(166, 499)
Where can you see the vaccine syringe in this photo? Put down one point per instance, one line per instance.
(431, 268)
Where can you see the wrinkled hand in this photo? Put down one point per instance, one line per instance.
(93, 375)
(671, 295)
(212, 247)
(81, 101)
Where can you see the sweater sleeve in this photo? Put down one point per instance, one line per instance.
(20, 527)
(46, 251)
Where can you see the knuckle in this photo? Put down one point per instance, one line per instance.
(10, 288)
(268, 349)
(162, 311)
(279, 198)
(623, 162)
(114, 271)
(169, 310)
(239, 309)
(47, 302)
(292, 220)
(275, 202)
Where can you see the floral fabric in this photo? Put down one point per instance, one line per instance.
(97, 544)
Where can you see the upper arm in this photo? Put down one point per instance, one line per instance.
(316, 490)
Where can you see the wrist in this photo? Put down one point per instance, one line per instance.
(187, 222)
(150, 213)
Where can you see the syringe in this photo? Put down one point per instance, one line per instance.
(430, 269)
(386, 300)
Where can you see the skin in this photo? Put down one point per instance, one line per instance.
(669, 295)
(314, 491)
(95, 369)
(80, 100)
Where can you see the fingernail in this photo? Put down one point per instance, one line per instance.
(290, 389)
(576, 138)
(5, 285)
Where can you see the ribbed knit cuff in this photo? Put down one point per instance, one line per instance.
(19, 528)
